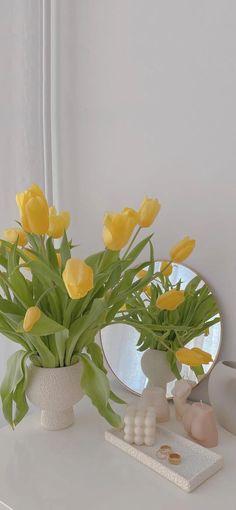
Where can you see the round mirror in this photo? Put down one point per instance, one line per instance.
(139, 366)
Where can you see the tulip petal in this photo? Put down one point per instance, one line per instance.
(170, 300)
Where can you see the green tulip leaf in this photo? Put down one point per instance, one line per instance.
(96, 354)
(65, 249)
(13, 387)
(43, 327)
(95, 384)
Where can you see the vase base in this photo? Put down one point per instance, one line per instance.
(57, 420)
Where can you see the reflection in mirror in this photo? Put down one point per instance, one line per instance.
(137, 370)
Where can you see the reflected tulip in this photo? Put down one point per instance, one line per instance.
(170, 300)
(166, 268)
(148, 291)
(141, 274)
(193, 357)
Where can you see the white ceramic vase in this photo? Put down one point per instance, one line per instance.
(156, 368)
(222, 393)
(55, 391)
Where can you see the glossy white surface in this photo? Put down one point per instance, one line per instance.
(77, 468)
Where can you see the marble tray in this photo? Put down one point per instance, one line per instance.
(198, 463)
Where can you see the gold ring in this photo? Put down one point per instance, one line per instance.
(164, 451)
(174, 458)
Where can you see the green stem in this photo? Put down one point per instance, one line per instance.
(158, 272)
(48, 359)
(131, 243)
(147, 330)
(44, 294)
(44, 253)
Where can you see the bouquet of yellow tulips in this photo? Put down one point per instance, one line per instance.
(168, 317)
(53, 304)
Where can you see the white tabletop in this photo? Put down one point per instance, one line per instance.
(77, 469)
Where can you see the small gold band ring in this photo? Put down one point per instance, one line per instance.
(174, 458)
(164, 451)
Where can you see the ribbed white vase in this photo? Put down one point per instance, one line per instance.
(55, 391)
(222, 393)
(156, 368)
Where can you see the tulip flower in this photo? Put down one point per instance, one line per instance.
(182, 250)
(166, 268)
(132, 213)
(148, 211)
(15, 234)
(148, 290)
(34, 210)
(58, 223)
(32, 316)
(170, 300)
(193, 357)
(142, 273)
(78, 278)
(118, 228)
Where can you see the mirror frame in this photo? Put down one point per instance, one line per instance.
(205, 375)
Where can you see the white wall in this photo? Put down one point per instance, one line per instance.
(21, 142)
(147, 106)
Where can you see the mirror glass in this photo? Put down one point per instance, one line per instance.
(119, 343)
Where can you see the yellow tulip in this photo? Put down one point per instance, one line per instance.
(142, 273)
(34, 210)
(32, 316)
(148, 211)
(193, 357)
(148, 290)
(166, 268)
(78, 278)
(132, 213)
(15, 234)
(170, 300)
(182, 250)
(30, 255)
(118, 228)
(58, 223)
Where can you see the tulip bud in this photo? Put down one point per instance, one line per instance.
(182, 250)
(78, 278)
(15, 234)
(148, 211)
(32, 316)
(118, 228)
(34, 210)
(58, 223)
(166, 268)
(170, 300)
(193, 357)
